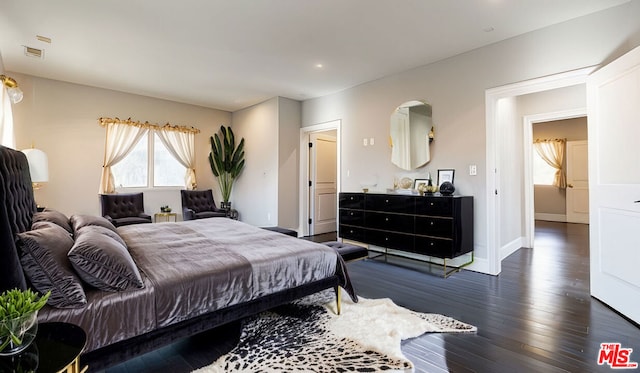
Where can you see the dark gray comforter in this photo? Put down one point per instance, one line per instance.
(194, 267)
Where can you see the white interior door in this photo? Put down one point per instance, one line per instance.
(323, 183)
(614, 178)
(577, 182)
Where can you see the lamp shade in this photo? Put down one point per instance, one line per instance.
(38, 165)
(15, 94)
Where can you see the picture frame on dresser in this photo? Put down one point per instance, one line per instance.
(420, 182)
(446, 174)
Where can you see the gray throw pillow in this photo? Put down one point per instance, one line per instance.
(79, 221)
(104, 263)
(43, 254)
(101, 230)
(52, 216)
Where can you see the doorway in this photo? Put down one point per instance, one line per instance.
(548, 202)
(321, 207)
(323, 182)
(506, 207)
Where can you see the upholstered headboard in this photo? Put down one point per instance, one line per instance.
(16, 212)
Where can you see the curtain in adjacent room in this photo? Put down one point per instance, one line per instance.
(7, 137)
(181, 144)
(552, 152)
(121, 139)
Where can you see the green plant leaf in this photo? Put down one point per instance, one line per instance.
(226, 160)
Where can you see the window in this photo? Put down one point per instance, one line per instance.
(543, 174)
(149, 165)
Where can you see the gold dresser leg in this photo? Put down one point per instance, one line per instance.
(338, 299)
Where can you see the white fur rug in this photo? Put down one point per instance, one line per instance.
(307, 336)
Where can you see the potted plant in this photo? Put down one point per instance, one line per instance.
(19, 319)
(227, 161)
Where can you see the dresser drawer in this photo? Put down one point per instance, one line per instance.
(352, 217)
(389, 203)
(351, 233)
(437, 247)
(351, 201)
(432, 226)
(389, 222)
(434, 206)
(390, 240)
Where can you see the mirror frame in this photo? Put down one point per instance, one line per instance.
(408, 152)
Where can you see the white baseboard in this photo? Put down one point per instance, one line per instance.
(511, 247)
(551, 217)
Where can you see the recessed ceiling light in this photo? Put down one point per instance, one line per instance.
(319, 65)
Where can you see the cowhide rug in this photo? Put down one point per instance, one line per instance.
(307, 336)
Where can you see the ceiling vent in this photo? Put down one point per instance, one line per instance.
(33, 52)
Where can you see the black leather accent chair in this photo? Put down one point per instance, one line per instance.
(124, 209)
(199, 204)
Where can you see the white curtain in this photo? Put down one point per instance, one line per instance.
(7, 137)
(182, 146)
(552, 152)
(121, 139)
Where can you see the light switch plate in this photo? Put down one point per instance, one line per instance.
(473, 170)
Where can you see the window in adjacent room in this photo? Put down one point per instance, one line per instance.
(149, 165)
(543, 173)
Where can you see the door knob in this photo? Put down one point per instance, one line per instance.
(570, 185)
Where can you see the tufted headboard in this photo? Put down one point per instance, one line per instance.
(16, 212)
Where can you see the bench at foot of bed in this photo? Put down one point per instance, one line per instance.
(348, 251)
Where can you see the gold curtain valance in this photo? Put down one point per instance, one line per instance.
(167, 127)
(549, 140)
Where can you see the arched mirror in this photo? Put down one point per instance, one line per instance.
(411, 132)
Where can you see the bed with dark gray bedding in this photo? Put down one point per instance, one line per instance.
(179, 278)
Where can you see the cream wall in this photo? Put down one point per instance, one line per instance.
(267, 192)
(255, 194)
(62, 120)
(288, 162)
(456, 89)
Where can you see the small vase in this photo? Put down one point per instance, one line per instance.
(18, 333)
(225, 205)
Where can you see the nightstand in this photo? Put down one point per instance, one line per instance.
(56, 348)
(165, 216)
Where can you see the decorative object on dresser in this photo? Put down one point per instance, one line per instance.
(447, 188)
(434, 226)
(445, 175)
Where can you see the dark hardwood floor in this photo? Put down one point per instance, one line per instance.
(536, 316)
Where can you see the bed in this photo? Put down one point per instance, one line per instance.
(158, 282)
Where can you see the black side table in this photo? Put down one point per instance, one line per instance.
(56, 348)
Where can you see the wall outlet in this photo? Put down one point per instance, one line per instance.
(365, 142)
(473, 170)
(371, 141)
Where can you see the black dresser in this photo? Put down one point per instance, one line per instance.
(436, 226)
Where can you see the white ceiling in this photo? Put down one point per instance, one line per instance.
(230, 54)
